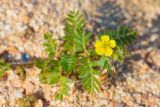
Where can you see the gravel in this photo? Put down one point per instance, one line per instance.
(137, 84)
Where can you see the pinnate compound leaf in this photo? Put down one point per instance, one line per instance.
(68, 63)
(50, 75)
(104, 63)
(75, 36)
(64, 88)
(123, 35)
(49, 44)
(89, 81)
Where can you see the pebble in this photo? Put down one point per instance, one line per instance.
(20, 20)
(39, 103)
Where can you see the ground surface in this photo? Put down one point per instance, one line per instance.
(137, 83)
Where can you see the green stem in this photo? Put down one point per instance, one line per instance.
(88, 60)
(74, 30)
(60, 74)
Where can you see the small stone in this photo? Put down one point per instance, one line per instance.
(18, 94)
(154, 58)
(151, 101)
(25, 57)
(28, 87)
(38, 104)
(111, 104)
(137, 98)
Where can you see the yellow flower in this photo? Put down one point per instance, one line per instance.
(105, 46)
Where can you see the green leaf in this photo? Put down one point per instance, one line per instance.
(46, 64)
(89, 81)
(119, 54)
(51, 76)
(3, 67)
(104, 63)
(49, 44)
(87, 38)
(91, 84)
(123, 35)
(75, 36)
(54, 78)
(68, 63)
(64, 88)
(84, 73)
(95, 72)
(49, 70)
(59, 96)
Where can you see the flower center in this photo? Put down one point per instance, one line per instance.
(106, 45)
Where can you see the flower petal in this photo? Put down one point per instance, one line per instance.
(100, 51)
(98, 44)
(108, 52)
(105, 38)
(113, 43)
